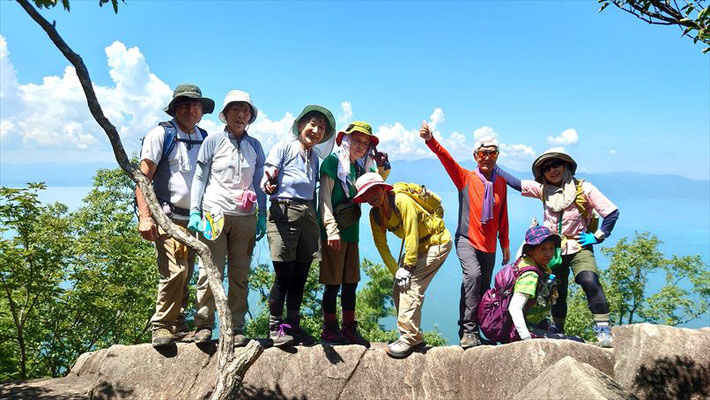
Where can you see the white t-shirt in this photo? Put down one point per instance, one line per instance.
(173, 179)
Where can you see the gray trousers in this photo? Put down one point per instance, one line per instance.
(477, 267)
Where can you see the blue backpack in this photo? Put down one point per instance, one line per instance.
(171, 137)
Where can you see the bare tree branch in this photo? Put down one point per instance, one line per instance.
(229, 366)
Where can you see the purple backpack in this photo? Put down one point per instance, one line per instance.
(493, 317)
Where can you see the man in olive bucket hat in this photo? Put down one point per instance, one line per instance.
(290, 176)
(168, 158)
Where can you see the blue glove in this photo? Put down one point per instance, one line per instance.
(586, 239)
(260, 226)
(195, 223)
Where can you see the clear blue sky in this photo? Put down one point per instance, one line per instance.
(637, 97)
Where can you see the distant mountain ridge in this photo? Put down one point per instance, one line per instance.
(430, 172)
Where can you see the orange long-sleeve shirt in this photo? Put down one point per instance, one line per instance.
(471, 190)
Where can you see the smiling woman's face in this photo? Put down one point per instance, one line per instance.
(312, 128)
(553, 170)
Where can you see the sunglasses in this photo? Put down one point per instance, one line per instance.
(552, 164)
(492, 154)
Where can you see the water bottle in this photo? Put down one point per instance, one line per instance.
(546, 290)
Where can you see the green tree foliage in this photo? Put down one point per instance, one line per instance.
(65, 4)
(691, 16)
(684, 296)
(71, 282)
(374, 302)
(34, 255)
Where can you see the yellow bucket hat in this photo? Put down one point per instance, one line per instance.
(358, 126)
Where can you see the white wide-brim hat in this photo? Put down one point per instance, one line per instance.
(366, 182)
(235, 96)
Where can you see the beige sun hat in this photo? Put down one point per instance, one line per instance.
(235, 96)
(549, 155)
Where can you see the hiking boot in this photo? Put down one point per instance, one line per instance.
(604, 338)
(162, 337)
(203, 335)
(300, 336)
(279, 337)
(399, 349)
(352, 334)
(332, 335)
(470, 340)
(239, 339)
(184, 336)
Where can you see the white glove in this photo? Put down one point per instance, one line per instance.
(402, 278)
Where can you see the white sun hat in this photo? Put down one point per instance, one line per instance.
(235, 96)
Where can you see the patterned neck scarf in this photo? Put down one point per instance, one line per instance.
(488, 198)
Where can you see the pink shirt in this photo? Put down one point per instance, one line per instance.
(572, 221)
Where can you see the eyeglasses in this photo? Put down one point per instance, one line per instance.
(492, 154)
(552, 164)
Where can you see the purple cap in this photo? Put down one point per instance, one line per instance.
(538, 234)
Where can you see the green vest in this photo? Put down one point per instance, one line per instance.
(329, 167)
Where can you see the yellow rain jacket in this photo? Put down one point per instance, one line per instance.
(409, 221)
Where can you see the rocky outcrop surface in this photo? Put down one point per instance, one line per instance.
(662, 362)
(648, 361)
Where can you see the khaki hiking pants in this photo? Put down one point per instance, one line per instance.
(176, 262)
(235, 243)
(408, 303)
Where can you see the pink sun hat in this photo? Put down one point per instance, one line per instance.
(366, 182)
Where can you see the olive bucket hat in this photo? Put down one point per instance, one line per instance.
(330, 131)
(190, 91)
(358, 126)
(550, 155)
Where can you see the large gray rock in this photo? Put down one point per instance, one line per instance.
(432, 374)
(658, 361)
(317, 372)
(571, 379)
(500, 372)
(648, 360)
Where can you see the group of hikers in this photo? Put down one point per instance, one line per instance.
(217, 186)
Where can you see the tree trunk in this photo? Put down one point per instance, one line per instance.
(231, 369)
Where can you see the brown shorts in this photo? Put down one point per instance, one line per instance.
(293, 232)
(340, 266)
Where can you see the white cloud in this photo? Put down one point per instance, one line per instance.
(566, 138)
(558, 149)
(517, 156)
(53, 114)
(270, 132)
(346, 113)
(612, 151)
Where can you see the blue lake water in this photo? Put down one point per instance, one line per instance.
(682, 225)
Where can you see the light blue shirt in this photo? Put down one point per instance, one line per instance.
(297, 175)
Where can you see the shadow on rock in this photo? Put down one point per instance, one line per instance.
(208, 348)
(673, 378)
(167, 351)
(105, 390)
(332, 355)
(251, 392)
(9, 390)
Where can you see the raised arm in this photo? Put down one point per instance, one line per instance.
(455, 171)
(511, 180)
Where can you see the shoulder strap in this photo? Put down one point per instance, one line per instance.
(533, 268)
(168, 139)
